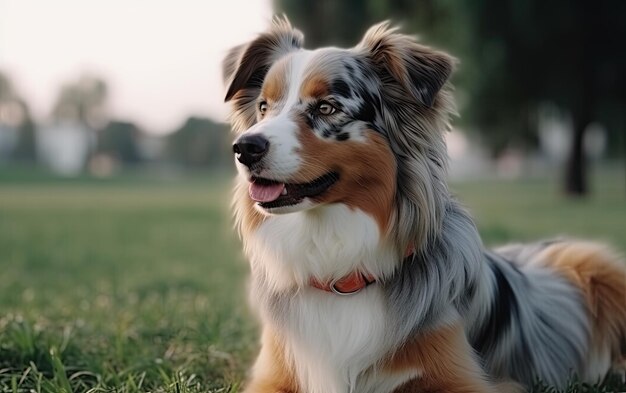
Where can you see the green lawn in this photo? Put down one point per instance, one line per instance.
(135, 285)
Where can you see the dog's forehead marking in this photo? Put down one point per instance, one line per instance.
(275, 82)
(311, 72)
(328, 67)
(298, 64)
(281, 85)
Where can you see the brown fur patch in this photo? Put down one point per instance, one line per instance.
(271, 373)
(446, 362)
(601, 276)
(315, 85)
(275, 84)
(367, 172)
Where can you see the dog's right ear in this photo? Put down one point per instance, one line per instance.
(245, 65)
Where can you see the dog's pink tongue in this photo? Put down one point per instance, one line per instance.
(265, 193)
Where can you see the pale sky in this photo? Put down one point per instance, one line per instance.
(161, 58)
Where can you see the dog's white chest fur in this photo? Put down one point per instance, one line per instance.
(333, 341)
(327, 242)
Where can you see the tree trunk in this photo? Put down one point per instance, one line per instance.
(576, 183)
(576, 170)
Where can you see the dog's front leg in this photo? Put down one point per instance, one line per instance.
(444, 360)
(271, 373)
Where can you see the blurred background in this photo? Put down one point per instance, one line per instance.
(98, 89)
(120, 270)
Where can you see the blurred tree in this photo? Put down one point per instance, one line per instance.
(26, 148)
(200, 142)
(119, 140)
(329, 22)
(15, 113)
(566, 52)
(82, 101)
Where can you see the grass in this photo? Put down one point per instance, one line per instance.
(120, 287)
(135, 285)
(525, 210)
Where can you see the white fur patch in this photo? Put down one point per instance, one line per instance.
(299, 62)
(325, 242)
(334, 342)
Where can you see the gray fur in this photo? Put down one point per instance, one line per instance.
(430, 288)
(547, 337)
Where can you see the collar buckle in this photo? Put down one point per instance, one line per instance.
(337, 291)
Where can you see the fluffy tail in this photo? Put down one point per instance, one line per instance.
(601, 275)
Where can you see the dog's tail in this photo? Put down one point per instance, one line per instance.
(601, 275)
(555, 308)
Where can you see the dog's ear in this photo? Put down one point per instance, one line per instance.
(245, 65)
(421, 70)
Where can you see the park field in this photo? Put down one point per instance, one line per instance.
(137, 285)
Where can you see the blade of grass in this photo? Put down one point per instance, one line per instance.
(58, 369)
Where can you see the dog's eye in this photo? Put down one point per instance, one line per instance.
(325, 108)
(262, 107)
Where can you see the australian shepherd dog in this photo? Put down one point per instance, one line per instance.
(368, 276)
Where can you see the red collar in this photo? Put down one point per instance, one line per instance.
(346, 285)
(353, 282)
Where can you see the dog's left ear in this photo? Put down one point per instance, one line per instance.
(421, 70)
(245, 66)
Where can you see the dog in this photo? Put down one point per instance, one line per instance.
(368, 276)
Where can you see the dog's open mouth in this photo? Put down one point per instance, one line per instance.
(272, 194)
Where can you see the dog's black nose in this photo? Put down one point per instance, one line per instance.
(249, 149)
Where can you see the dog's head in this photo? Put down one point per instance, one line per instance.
(361, 126)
